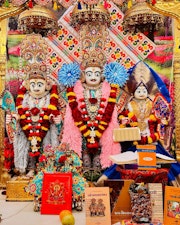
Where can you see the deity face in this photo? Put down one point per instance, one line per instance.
(141, 92)
(37, 87)
(93, 76)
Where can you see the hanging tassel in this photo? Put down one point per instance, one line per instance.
(129, 4)
(55, 6)
(79, 5)
(30, 4)
(6, 3)
(105, 4)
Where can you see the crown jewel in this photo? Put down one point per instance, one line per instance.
(93, 58)
(33, 51)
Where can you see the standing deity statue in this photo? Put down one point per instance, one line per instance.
(38, 108)
(91, 113)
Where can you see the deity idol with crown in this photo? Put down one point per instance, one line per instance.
(36, 103)
(149, 107)
(38, 113)
(91, 113)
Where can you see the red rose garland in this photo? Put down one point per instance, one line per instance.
(82, 119)
(38, 131)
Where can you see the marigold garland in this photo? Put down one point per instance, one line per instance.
(82, 119)
(39, 130)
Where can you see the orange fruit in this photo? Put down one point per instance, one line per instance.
(68, 220)
(64, 213)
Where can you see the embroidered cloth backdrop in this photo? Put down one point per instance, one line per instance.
(122, 46)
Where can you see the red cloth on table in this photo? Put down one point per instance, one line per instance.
(146, 176)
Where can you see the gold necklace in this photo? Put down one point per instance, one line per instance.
(92, 108)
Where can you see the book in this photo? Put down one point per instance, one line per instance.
(156, 197)
(119, 199)
(97, 206)
(126, 134)
(172, 206)
(130, 157)
(56, 193)
(146, 157)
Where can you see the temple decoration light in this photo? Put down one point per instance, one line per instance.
(139, 17)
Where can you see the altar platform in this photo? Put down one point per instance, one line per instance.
(21, 213)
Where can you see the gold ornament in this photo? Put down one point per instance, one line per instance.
(38, 19)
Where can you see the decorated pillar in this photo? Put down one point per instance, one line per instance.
(3, 32)
(172, 9)
(5, 13)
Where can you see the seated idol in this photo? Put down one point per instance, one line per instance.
(139, 113)
(91, 113)
(37, 118)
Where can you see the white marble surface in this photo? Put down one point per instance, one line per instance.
(21, 213)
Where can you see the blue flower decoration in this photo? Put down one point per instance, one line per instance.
(69, 74)
(115, 73)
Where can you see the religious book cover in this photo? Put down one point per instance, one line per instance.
(56, 193)
(119, 199)
(156, 198)
(172, 206)
(97, 206)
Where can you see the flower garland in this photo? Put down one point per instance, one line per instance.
(35, 132)
(133, 122)
(92, 130)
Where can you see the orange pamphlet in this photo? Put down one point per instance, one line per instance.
(146, 157)
(97, 206)
(172, 206)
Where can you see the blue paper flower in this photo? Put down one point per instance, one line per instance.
(115, 73)
(69, 74)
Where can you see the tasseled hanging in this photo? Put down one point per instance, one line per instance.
(55, 6)
(30, 4)
(129, 4)
(6, 3)
(79, 5)
(105, 4)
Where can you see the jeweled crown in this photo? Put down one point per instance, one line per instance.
(93, 58)
(33, 51)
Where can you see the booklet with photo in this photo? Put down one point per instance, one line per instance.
(97, 206)
(172, 206)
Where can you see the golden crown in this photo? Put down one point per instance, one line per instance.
(93, 58)
(90, 13)
(34, 50)
(36, 70)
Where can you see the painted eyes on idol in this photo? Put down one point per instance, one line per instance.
(38, 84)
(141, 90)
(90, 73)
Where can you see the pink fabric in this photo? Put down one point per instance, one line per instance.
(72, 135)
